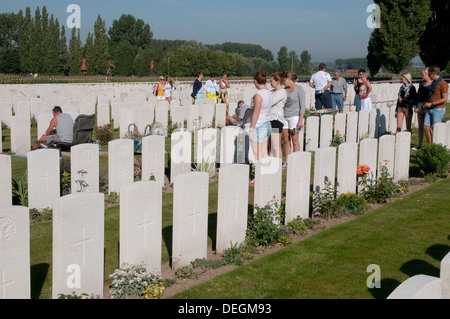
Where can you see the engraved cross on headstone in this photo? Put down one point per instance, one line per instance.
(83, 243)
(144, 225)
(46, 179)
(194, 215)
(235, 202)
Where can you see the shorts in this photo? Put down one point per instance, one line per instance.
(160, 98)
(291, 122)
(223, 95)
(402, 109)
(277, 126)
(262, 133)
(433, 116)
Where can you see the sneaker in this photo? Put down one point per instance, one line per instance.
(252, 183)
(284, 165)
(416, 148)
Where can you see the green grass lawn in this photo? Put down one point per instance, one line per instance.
(405, 238)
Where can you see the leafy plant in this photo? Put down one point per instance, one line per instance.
(186, 272)
(298, 226)
(154, 291)
(337, 139)
(20, 191)
(232, 255)
(65, 183)
(41, 215)
(353, 203)
(383, 189)
(131, 280)
(433, 159)
(324, 201)
(73, 296)
(104, 134)
(264, 225)
(112, 198)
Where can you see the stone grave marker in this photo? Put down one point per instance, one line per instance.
(386, 154)
(298, 181)
(181, 153)
(352, 127)
(20, 134)
(85, 168)
(126, 118)
(363, 125)
(190, 218)
(14, 252)
(205, 150)
(312, 133)
(368, 156)
(221, 114)
(43, 178)
(439, 134)
(326, 130)
(232, 208)
(5, 180)
(268, 180)
(347, 163)
(141, 225)
(120, 164)
(78, 244)
(324, 168)
(402, 152)
(340, 120)
(153, 158)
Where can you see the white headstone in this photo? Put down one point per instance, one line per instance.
(162, 114)
(193, 118)
(232, 208)
(180, 154)
(103, 117)
(126, 118)
(43, 178)
(85, 168)
(141, 225)
(14, 253)
(153, 158)
(386, 154)
(229, 144)
(78, 244)
(298, 184)
(352, 127)
(368, 156)
(324, 168)
(205, 150)
(190, 218)
(447, 134)
(221, 113)
(120, 164)
(5, 180)
(268, 180)
(402, 152)
(20, 134)
(43, 122)
(384, 120)
(312, 133)
(374, 123)
(347, 163)
(326, 130)
(363, 125)
(340, 121)
(439, 134)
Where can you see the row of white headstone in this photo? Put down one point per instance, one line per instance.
(78, 218)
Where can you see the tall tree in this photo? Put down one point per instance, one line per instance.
(75, 52)
(305, 60)
(434, 42)
(373, 58)
(24, 36)
(283, 59)
(402, 24)
(123, 56)
(63, 52)
(9, 55)
(99, 64)
(128, 29)
(36, 48)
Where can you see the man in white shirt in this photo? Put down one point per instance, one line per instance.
(321, 82)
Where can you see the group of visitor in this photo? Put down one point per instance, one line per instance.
(213, 90)
(428, 102)
(163, 89)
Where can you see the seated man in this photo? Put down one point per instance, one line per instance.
(237, 118)
(59, 130)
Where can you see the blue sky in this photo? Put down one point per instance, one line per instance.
(328, 29)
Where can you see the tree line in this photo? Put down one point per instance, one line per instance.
(39, 44)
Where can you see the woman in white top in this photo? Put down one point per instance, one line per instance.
(168, 89)
(210, 88)
(277, 114)
(260, 127)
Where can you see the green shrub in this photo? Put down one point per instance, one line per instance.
(353, 203)
(265, 225)
(433, 159)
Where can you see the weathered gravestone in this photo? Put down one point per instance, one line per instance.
(386, 154)
(85, 168)
(268, 179)
(352, 127)
(14, 252)
(368, 156)
(298, 180)
(402, 152)
(153, 158)
(43, 178)
(312, 133)
(439, 134)
(20, 134)
(324, 168)
(190, 218)
(78, 244)
(326, 130)
(181, 153)
(347, 163)
(232, 208)
(120, 164)
(141, 225)
(5, 180)
(340, 121)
